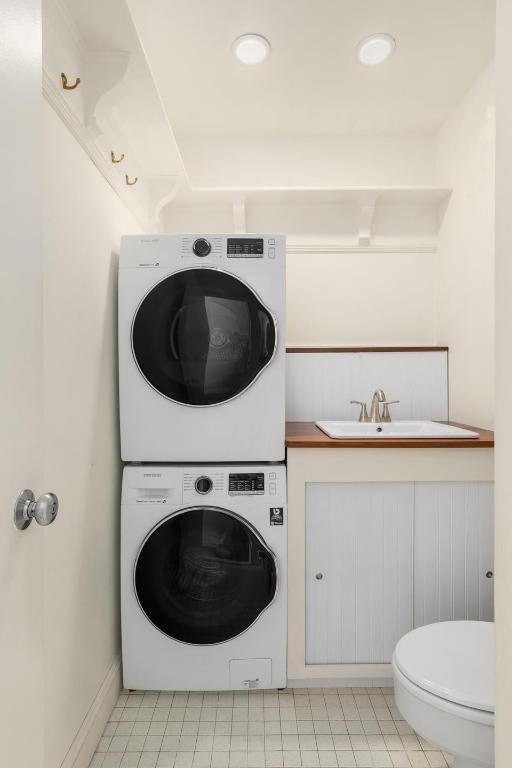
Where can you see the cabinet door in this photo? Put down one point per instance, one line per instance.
(453, 551)
(359, 567)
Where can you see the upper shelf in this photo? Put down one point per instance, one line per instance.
(420, 195)
(340, 218)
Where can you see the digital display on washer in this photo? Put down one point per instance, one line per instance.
(248, 482)
(245, 246)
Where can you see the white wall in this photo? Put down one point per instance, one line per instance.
(83, 221)
(503, 541)
(361, 299)
(465, 162)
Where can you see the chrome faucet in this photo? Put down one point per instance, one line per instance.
(376, 415)
(378, 398)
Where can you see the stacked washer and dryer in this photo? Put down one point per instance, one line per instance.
(203, 514)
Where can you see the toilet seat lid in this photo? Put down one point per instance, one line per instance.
(453, 660)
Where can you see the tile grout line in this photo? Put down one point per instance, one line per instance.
(322, 728)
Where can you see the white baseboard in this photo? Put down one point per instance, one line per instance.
(82, 749)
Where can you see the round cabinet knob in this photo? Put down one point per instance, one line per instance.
(201, 247)
(319, 576)
(204, 484)
(489, 574)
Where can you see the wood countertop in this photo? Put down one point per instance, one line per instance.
(353, 350)
(305, 434)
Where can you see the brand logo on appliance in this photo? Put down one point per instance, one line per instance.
(149, 264)
(276, 515)
(152, 474)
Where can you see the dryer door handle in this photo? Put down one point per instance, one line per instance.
(265, 330)
(172, 334)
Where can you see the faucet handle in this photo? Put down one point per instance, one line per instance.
(386, 416)
(363, 415)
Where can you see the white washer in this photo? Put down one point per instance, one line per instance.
(203, 577)
(202, 348)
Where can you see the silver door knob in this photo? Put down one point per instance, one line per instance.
(27, 508)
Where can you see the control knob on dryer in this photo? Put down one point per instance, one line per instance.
(201, 247)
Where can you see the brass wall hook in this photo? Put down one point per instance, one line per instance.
(66, 85)
(131, 183)
(116, 159)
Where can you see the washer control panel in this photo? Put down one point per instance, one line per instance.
(246, 482)
(210, 484)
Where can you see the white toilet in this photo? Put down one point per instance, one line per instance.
(444, 688)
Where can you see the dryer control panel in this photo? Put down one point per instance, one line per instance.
(245, 246)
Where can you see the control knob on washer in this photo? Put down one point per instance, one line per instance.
(204, 484)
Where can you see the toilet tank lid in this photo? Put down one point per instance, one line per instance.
(451, 659)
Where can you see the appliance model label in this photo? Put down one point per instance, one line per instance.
(276, 515)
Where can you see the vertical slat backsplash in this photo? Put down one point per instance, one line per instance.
(320, 385)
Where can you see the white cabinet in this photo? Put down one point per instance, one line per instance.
(384, 557)
(359, 563)
(453, 552)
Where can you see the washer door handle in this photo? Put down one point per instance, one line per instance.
(27, 508)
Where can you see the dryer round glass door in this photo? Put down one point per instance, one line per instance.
(201, 336)
(203, 575)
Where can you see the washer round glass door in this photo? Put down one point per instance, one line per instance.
(201, 336)
(203, 575)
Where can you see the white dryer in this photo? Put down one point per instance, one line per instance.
(203, 577)
(202, 348)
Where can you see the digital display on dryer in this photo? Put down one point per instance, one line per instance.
(249, 482)
(245, 246)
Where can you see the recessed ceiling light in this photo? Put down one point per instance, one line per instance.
(251, 49)
(375, 49)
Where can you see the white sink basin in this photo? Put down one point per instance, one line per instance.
(344, 430)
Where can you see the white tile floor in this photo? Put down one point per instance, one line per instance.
(294, 728)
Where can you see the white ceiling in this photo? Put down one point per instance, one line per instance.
(312, 84)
